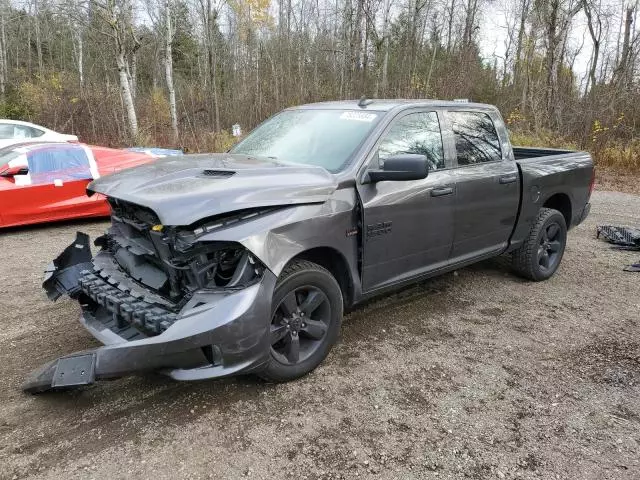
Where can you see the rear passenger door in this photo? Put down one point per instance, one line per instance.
(487, 183)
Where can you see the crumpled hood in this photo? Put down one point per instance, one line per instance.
(184, 189)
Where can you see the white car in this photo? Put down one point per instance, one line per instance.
(15, 131)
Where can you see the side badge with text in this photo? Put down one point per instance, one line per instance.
(378, 229)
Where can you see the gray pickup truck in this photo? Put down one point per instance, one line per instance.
(244, 262)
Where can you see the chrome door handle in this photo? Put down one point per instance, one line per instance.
(440, 192)
(508, 178)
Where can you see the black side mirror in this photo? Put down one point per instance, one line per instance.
(402, 167)
(13, 171)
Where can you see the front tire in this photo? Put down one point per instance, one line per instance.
(540, 255)
(307, 311)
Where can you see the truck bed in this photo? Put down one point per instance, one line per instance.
(524, 153)
(559, 176)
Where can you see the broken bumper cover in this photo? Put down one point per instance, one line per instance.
(216, 334)
(62, 274)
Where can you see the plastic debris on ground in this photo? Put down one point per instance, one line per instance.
(625, 238)
(633, 268)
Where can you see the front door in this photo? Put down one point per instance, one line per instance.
(488, 187)
(408, 225)
(54, 188)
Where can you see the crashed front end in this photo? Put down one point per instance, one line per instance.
(161, 298)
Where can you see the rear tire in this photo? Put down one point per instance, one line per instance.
(307, 311)
(540, 255)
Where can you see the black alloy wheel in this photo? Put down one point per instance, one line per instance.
(540, 254)
(307, 314)
(552, 241)
(299, 324)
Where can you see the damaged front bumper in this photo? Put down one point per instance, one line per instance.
(216, 333)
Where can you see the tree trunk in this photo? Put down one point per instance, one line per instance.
(78, 52)
(469, 22)
(450, 26)
(524, 13)
(127, 97)
(3, 54)
(552, 54)
(385, 42)
(212, 61)
(38, 39)
(596, 35)
(168, 63)
(621, 72)
(132, 73)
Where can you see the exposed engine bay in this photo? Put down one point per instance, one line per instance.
(172, 262)
(145, 273)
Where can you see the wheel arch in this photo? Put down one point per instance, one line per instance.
(562, 203)
(336, 264)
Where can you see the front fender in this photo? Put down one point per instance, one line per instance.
(275, 238)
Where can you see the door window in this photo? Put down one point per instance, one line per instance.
(8, 131)
(476, 138)
(58, 163)
(415, 133)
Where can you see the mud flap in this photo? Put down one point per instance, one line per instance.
(61, 275)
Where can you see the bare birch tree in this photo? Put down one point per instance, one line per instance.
(168, 64)
(115, 16)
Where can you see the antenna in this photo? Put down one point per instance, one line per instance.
(364, 101)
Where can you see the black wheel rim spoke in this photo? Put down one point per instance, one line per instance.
(552, 231)
(551, 244)
(289, 305)
(312, 302)
(278, 332)
(292, 349)
(555, 246)
(314, 329)
(544, 236)
(294, 334)
(544, 259)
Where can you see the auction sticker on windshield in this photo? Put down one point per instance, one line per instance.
(358, 116)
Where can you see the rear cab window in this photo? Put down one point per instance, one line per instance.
(475, 137)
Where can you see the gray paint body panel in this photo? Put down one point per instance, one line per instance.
(180, 193)
(388, 234)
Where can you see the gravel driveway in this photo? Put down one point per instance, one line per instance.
(476, 374)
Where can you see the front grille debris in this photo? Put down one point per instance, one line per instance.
(125, 308)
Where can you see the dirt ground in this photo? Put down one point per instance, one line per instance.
(477, 374)
(617, 180)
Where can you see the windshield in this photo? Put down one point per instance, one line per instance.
(326, 138)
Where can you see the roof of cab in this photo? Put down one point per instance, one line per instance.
(385, 105)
